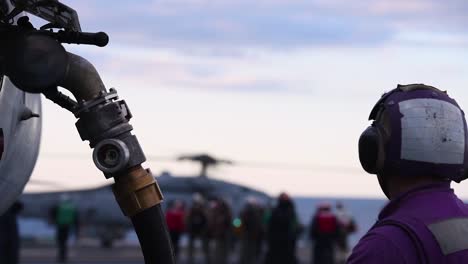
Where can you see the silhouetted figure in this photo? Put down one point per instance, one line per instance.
(324, 233)
(347, 226)
(197, 227)
(175, 218)
(220, 230)
(252, 232)
(282, 229)
(65, 217)
(9, 235)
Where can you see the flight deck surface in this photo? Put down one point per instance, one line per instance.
(119, 254)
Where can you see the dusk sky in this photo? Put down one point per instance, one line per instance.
(281, 87)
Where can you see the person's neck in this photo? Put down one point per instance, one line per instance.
(400, 185)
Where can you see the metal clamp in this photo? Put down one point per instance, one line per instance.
(103, 97)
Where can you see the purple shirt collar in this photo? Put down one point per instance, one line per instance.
(396, 202)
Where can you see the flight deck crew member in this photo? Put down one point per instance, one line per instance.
(220, 230)
(347, 226)
(9, 235)
(252, 231)
(416, 145)
(324, 233)
(282, 232)
(65, 217)
(197, 228)
(175, 219)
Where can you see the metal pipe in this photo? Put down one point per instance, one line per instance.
(36, 62)
(81, 78)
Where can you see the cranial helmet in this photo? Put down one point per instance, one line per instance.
(417, 130)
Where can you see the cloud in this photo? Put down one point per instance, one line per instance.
(257, 45)
(432, 38)
(278, 24)
(154, 68)
(181, 76)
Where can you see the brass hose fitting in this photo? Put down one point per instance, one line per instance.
(136, 191)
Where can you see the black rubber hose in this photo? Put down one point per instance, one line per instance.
(151, 229)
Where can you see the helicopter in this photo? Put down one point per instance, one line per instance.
(102, 218)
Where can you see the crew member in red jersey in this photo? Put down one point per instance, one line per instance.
(324, 232)
(175, 218)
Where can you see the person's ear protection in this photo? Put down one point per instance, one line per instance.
(372, 142)
(372, 149)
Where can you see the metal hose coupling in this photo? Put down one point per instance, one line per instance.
(104, 122)
(136, 191)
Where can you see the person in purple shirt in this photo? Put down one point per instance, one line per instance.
(417, 145)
